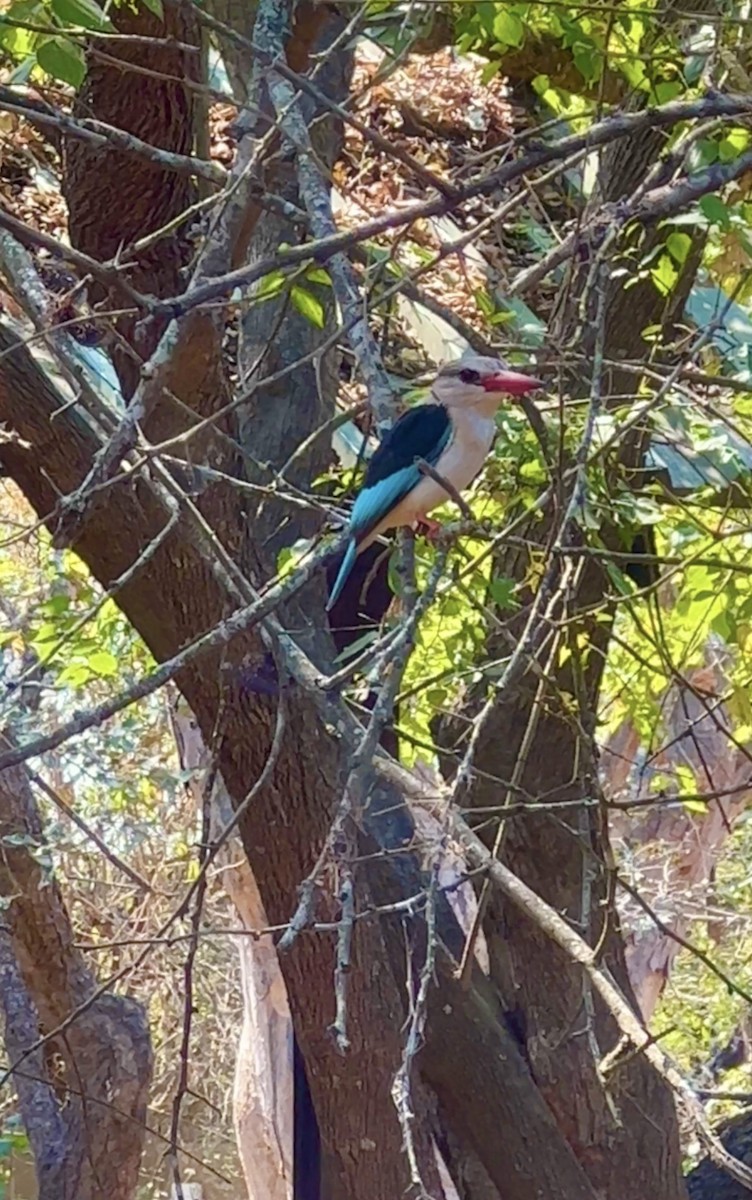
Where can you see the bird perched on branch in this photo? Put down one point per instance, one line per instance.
(453, 435)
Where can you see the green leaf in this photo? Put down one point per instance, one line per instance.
(501, 590)
(490, 71)
(623, 584)
(74, 675)
(486, 13)
(48, 632)
(103, 663)
(308, 305)
(664, 275)
(667, 90)
(716, 212)
(508, 28)
(155, 6)
(85, 13)
(695, 806)
(318, 275)
(678, 246)
(589, 62)
(484, 302)
(61, 59)
(269, 286)
(733, 144)
(56, 605)
(703, 154)
(355, 647)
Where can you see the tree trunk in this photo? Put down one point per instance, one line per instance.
(709, 1182)
(83, 1093)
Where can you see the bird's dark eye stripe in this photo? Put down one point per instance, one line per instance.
(468, 376)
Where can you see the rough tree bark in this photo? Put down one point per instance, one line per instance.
(263, 1101)
(83, 1094)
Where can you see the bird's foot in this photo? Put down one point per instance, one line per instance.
(430, 529)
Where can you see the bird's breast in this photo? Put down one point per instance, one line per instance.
(463, 458)
(466, 453)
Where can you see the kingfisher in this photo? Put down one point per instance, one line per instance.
(453, 434)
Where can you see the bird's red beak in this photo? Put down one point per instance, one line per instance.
(511, 383)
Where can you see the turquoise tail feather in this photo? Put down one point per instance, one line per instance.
(347, 565)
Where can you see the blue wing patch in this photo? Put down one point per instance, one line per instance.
(347, 566)
(376, 501)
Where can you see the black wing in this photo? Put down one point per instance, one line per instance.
(421, 432)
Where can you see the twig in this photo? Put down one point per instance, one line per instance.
(110, 276)
(315, 194)
(425, 468)
(97, 133)
(134, 39)
(402, 1083)
(465, 968)
(344, 949)
(19, 270)
(660, 203)
(647, 206)
(181, 1088)
(90, 833)
(240, 621)
(114, 588)
(700, 955)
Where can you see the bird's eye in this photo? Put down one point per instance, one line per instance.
(469, 376)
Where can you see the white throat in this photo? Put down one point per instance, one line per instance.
(474, 424)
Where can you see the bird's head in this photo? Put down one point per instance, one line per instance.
(479, 381)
